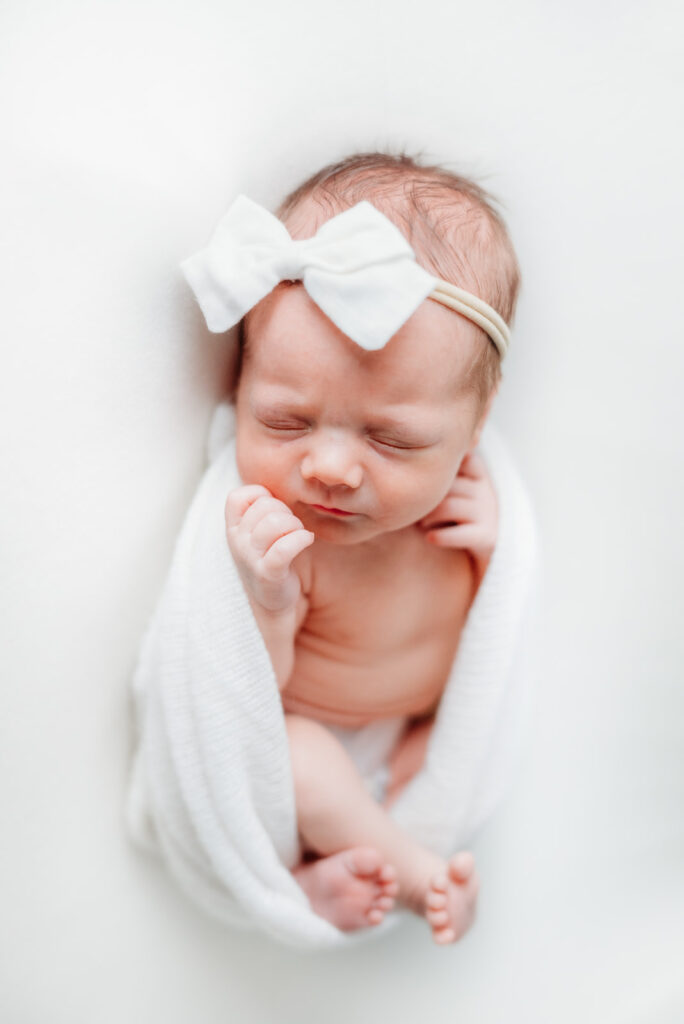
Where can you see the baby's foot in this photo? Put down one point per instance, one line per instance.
(352, 889)
(450, 899)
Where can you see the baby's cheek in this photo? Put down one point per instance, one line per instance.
(428, 488)
(252, 466)
(257, 466)
(243, 461)
(410, 506)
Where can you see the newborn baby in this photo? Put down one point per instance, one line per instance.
(365, 525)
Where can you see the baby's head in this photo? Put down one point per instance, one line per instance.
(382, 433)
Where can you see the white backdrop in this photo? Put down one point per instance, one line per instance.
(126, 129)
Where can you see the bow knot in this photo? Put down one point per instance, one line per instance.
(290, 261)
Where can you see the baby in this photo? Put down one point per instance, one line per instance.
(365, 525)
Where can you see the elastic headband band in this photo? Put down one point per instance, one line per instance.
(480, 312)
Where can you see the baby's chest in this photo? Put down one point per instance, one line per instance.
(379, 640)
(381, 608)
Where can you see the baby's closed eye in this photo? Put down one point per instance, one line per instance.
(284, 426)
(289, 425)
(397, 443)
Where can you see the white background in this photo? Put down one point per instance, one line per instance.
(126, 130)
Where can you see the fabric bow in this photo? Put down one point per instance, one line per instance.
(358, 268)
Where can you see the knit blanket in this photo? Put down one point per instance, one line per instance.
(211, 788)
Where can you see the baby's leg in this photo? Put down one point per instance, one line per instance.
(335, 813)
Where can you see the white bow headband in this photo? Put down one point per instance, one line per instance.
(358, 268)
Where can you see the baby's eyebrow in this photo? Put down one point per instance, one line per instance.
(278, 407)
(418, 434)
(395, 423)
(415, 419)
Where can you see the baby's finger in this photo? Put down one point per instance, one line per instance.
(468, 535)
(240, 499)
(266, 505)
(274, 524)
(276, 561)
(473, 466)
(465, 487)
(451, 510)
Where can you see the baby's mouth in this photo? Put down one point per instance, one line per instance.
(332, 511)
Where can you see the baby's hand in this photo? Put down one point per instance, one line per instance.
(470, 506)
(264, 538)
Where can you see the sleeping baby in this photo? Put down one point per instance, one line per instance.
(366, 519)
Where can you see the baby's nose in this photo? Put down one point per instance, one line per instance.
(333, 465)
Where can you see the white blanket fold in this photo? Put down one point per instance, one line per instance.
(211, 787)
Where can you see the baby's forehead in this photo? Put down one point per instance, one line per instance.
(427, 359)
(432, 334)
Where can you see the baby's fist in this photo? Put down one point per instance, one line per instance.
(264, 538)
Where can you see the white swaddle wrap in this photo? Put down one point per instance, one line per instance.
(211, 787)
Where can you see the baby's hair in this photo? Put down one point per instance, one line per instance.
(450, 222)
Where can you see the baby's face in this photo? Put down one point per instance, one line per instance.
(323, 422)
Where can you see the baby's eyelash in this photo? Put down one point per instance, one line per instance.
(390, 444)
(279, 426)
(397, 446)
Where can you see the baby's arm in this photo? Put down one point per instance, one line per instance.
(278, 630)
(264, 539)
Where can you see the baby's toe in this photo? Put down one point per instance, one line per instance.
(383, 902)
(442, 936)
(435, 900)
(389, 884)
(363, 861)
(437, 918)
(461, 866)
(375, 915)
